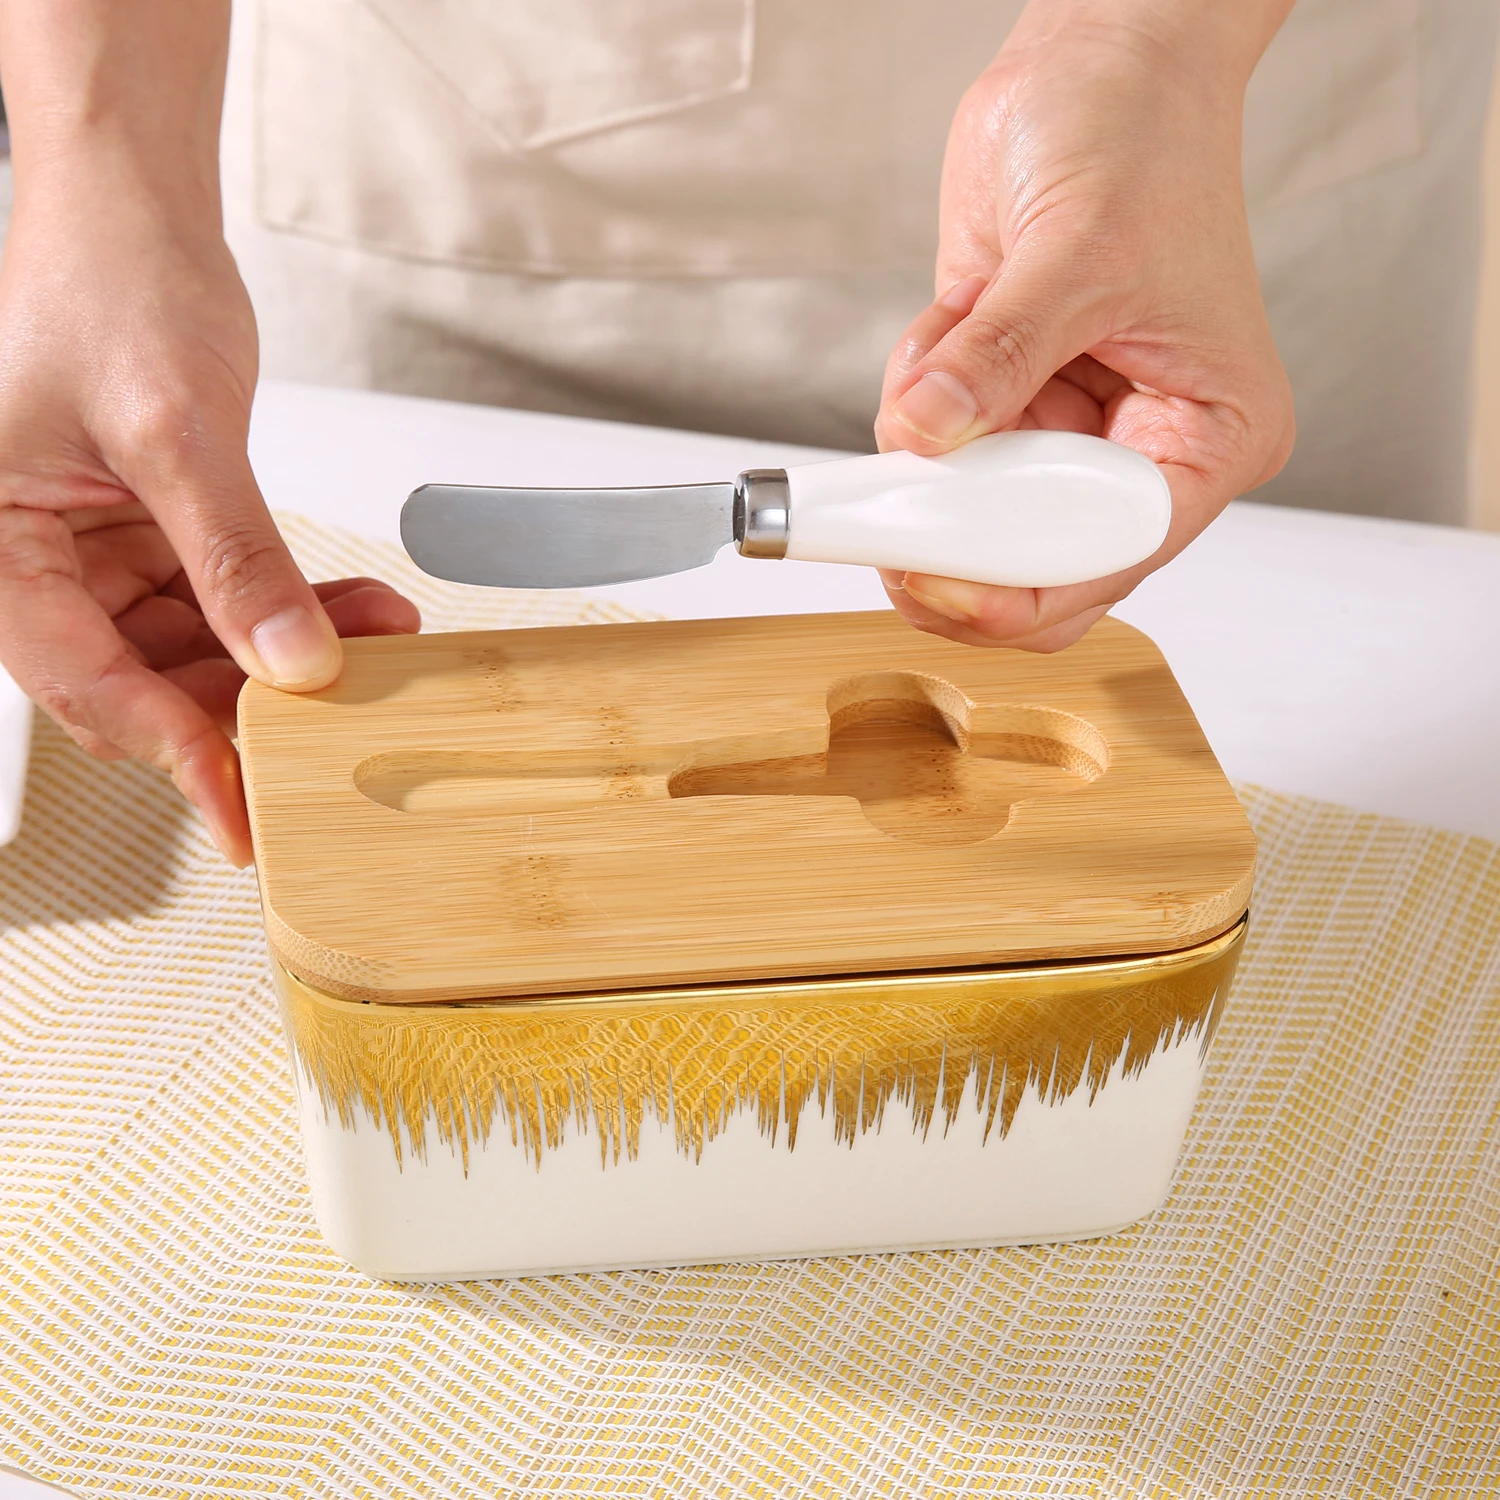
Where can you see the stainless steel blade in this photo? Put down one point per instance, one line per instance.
(560, 539)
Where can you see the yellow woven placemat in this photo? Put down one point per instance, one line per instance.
(1315, 1312)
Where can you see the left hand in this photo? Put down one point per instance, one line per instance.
(125, 562)
(1095, 274)
(121, 560)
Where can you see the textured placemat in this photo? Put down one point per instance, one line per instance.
(1316, 1311)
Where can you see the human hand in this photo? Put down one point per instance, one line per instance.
(1095, 274)
(141, 575)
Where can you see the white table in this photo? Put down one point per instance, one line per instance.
(1338, 657)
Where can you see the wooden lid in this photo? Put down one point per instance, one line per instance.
(617, 806)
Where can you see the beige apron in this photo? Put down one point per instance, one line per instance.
(719, 214)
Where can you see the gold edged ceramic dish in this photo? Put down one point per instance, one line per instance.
(599, 1064)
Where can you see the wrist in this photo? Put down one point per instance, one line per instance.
(1217, 45)
(121, 184)
(107, 100)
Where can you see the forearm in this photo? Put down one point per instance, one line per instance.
(117, 94)
(1223, 38)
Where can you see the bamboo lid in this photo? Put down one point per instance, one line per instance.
(613, 807)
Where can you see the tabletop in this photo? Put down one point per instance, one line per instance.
(1338, 657)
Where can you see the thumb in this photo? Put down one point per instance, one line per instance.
(251, 592)
(1027, 324)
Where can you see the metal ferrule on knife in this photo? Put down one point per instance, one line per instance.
(762, 513)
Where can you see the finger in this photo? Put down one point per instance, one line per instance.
(1061, 406)
(178, 587)
(1097, 381)
(333, 588)
(169, 633)
(173, 638)
(1006, 615)
(93, 517)
(1000, 613)
(1053, 638)
(938, 319)
(124, 564)
(1032, 319)
(196, 481)
(363, 606)
(66, 654)
(978, 614)
(214, 685)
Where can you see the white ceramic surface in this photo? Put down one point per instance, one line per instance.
(15, 748)
(1028, 509)
(1066, 1170)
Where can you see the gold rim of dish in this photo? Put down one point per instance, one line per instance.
(601, 1064)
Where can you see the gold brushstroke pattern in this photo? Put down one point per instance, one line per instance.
(696, 1057)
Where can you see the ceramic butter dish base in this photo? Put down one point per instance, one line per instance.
(976, 1109)
(659, 944)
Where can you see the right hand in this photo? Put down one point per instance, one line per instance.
(141, 575)
(1095, 274)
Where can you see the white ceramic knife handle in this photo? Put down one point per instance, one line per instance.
(1028, 509)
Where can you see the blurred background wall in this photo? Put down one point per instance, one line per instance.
(1487, 354)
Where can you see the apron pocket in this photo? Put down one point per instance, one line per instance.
(613, 138)
(540, 72)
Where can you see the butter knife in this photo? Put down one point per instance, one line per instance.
(1028, 509)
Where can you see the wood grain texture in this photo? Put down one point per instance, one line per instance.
(674, 803)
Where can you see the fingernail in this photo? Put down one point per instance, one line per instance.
(962, 295)
(950, 597)
(937, 407)
(297, 649)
